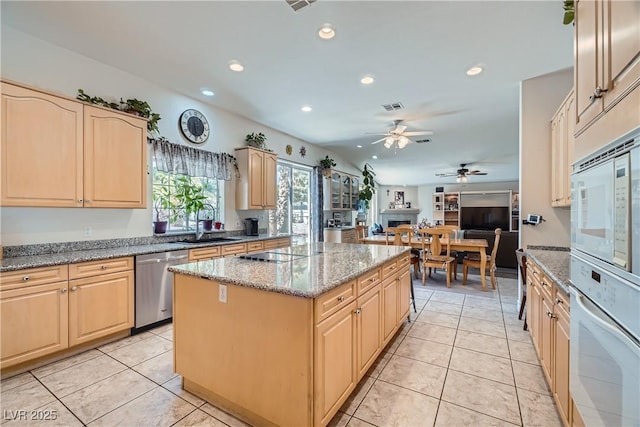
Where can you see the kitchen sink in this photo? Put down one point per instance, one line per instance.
(210, 240)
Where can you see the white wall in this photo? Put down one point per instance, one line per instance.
(540, 98)
(35, 62)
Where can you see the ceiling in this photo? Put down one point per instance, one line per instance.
(418, 52)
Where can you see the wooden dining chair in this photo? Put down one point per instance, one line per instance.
(473, 261)
(393, 236)
(432, 250)
(453, 234)
(361, 232)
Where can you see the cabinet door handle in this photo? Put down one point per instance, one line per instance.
(63, 290)
(598, 93)
(373, 279)
(103, 267)
(550, 315)
(87, 201)
(80, 200)
(26, 278)
(340, 298)
(559, 301)
(74, 288)
(358, 310)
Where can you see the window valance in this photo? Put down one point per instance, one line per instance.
(183, 160)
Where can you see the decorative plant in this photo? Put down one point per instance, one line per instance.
(142, 109)
(569, 11)
(368, 185)
(327, 162)
(256, 140)
(162, 197)
(135, 106)
(189, 196)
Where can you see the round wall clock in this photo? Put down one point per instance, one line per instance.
(194, 126)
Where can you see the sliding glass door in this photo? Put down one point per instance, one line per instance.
(293, 211)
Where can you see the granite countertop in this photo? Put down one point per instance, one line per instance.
(555, 264)
(315, 269)
(70, 257)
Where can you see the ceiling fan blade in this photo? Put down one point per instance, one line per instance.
(446, 174)
(418, 132)
(380, 140)
(476, 173)
(399, 129)
(376, 133)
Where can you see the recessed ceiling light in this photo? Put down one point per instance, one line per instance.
(359, 146)
(326, 32)
(236, 66)
(207, 92)
(306, 108)
(473, 71)
(367, 80)
(374, 157)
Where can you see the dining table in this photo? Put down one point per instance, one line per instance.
(466, 245)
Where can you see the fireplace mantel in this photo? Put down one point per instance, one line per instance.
(400, 211)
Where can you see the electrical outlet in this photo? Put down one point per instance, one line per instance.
(88, 231)
(222, 293)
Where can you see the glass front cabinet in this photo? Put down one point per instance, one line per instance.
(341, 191)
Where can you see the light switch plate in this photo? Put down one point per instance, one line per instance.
(222, 293)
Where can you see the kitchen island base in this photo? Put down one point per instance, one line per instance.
(275, 359)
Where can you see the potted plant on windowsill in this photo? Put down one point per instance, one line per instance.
(161, 202)
(190, 196)
(326, 164)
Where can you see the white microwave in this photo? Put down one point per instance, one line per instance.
(605, 207)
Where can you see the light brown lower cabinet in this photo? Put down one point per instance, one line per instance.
(548, 320)
(335, 363)
(34, 322)
(41, 319)
(324, 346)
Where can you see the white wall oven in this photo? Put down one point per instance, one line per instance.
(605, 277)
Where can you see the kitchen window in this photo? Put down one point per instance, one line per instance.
(169, 184)
(176, 166)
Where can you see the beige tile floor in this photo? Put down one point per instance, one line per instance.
(463, 360)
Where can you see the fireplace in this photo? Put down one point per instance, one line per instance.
(395, 223)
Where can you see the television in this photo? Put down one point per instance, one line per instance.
(484, 218)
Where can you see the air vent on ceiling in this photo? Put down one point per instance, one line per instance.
(422, 141)
(299, 4)
(393, 107)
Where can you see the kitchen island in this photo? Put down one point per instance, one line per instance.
(284, 342)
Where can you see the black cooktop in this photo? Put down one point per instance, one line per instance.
(272, 257)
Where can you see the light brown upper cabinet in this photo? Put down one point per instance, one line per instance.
(256, 187)
(607, 64)
(58, 152)
(562, 153)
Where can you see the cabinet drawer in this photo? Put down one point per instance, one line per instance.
(204, 253)
(334, 300)
(33, 276)
(561, 300)
(94, 268)
(368, 280)
(389, 268)
(255, 246)
(403, 261)
(276, 243)
(239, 248)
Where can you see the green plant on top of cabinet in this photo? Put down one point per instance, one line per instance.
(58, 152)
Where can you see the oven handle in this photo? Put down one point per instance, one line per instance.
(628, 340)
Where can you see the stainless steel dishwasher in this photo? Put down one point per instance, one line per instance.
(154, 285)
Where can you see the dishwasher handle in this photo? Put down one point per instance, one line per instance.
(176, 258)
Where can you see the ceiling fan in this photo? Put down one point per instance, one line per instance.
(397, 135)
(462, 173)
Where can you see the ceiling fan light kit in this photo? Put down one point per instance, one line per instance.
(397, 135)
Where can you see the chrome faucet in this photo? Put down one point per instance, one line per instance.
(200, 233)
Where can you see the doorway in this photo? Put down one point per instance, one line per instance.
(293, 211)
